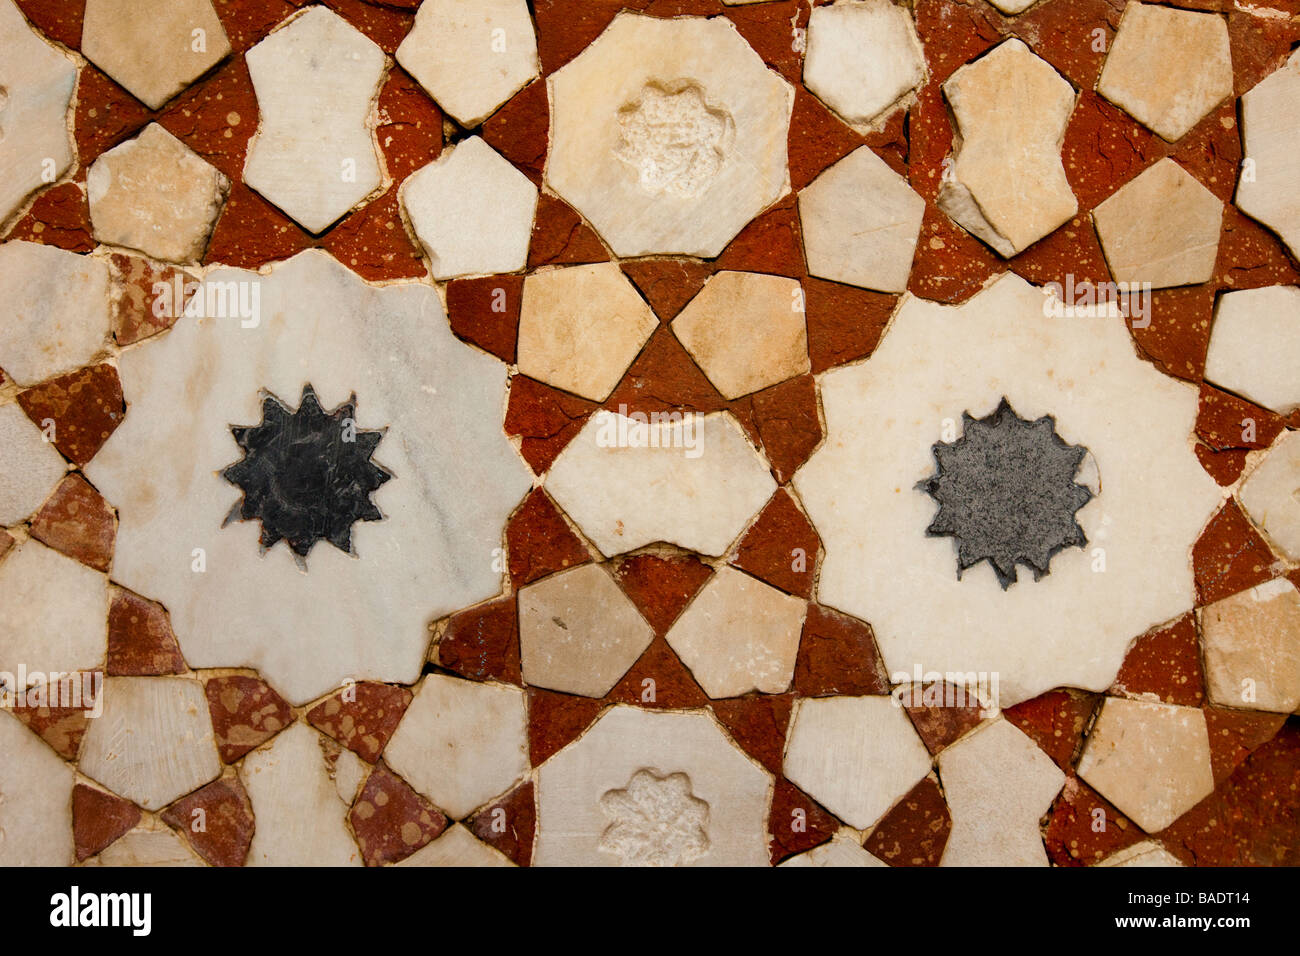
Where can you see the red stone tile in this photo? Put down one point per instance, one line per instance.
(1056, 722)
(410, 128)
(667, 284)
(1225, 467)
(1164, 662)
(362, 717)
(950, 265)
(1260, 44)
(509, 824)
(556, 720)
(217, 118)
(485, 311)
(658, 680)
(1069, 256)
(1251, 255)
(546, 418)
(781, 547)
(1179, 333)
(217, 820)
(758, 724)
(771, 243)
(105, 115)
(844, 322)
(483, 643)
(915, 831)
(86, 407)
(520, 130)
(665, 377)
(60, 727)
(6, 543)
(539, 541)
(249, 21)
(837, 655)
(141, 642)
(374, 244)
(1084, 828)
(388, 27)
(1253, 819)
(560, 237)
(252, 233)
(60, 216)
(245, 713)
(1211, 151)
(1104, 148)
(1235, 735)
(565, 27)
(661, 587)
(788, 424)
(1225, 421)
(818, 138)
(59, 20)
(942, 713)
(890, 142)
(930, 140)
(391, 821)
(99, 818)
(140, 309)
(1064, 34)
(770, 30)
(954, 32)
(797, 822)
(77, 521)
(1230, 556)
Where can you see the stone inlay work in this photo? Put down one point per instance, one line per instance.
(656, 821)
(1007, 494)
(306, 474)
(673, 139)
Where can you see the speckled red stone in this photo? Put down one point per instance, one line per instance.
(58, 19)
(217, 117)
(539, 541)
(77, 521)
(60, 216)
(797, 822)
(60, 727)
(373, 242)
(1236, 734)
(391, 821)
(245, 712)
(1226, 421)
(1078, 835)
(135, 297)
(509, 824)
(661, 586)
(216, 820)
(915, 831)
(1167, 663)
(362, 717)
(483, 643)
(99, 818)
(1230, 556)
(942, 724)
(105, 115)
(781, 547)
(86, 407)
(140, 638)
(1056, 722)
(837, 655)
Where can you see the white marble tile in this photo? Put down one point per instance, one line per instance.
(842, 850)
(30, 467)
(314, 154)
(37, 80)
(471, 57)
(1251, 644)
(1255, 346)
(615, 153)
(150, 844)
(53, 612)
(35, 800)
(1269, 495)
(652, 788)
(693, 482)
(1269, 187)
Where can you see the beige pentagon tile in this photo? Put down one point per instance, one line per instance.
(1252, 648)
(861, 221)
(471, 57)
(862, 58)
(53, 612)
(739, 635)
(461, 743)
(580, 328)
(578, 632)
(155, 194)
(1269, 495)
(1167, 68)
(1161, 228)
(856, 756)
(746, 331)
(1271, 193)
(1255, 346)
(154, 48)
(1151, 760)
(998, 784)
(30, 466)
(153, 742)
(35, 800)
(1008, 184)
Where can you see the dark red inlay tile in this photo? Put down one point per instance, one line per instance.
(781, 547)
(758, 724)
(556, 720)
(60, 216)
(797, 822)
(539, 541)
(362, 717)
(1056, 722)
(85, 406)
(509, 824)
(837, 655)
(141, 642)
(915, 831)
(99, 818)
(520, 130)
(485, 311)
(661, 587)
(1230, 556)
(1085, 828)
(216, 820)
(1166, 663)
(391, 821)
(546, 418)
(483, 643)
(77, 521)
(560, 237)
(245, 713)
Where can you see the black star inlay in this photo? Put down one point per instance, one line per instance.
(306, 474)
(1007, 494)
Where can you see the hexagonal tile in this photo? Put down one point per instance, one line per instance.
(669, 135)
(1167, 68)
(580, 327)
(862, 58)
(856, 756)
(471, 58)
(861, 221)
(1161, 228)
(746, 331)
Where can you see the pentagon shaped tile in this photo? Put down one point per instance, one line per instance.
(1269, 495)
(30, 467)
(1271, 191)
(35, 800)
(53, 612)
(1255, 346)
(1252, 648)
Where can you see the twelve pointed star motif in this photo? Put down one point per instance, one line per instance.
(1007, 494)
(306, 474)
